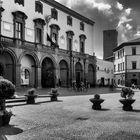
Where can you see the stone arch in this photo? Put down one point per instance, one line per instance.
(8, 61)
(79, 72)
(91, 75)
(37, 64)
(64, 73)
(48, 76)
(50, 57)
(28, 69)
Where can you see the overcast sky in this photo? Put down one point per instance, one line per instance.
(122, 15)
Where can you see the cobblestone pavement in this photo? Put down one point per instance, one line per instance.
(72, 118)
(71, 92)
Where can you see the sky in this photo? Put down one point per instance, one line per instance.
(122, 15)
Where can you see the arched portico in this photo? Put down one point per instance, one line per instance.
(63, 73)
(7, 65)
(91, 75)
(48, 78)
(28, 69)
(78, 72)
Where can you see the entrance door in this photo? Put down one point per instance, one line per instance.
(78, 77)
(63, 73)
(102, 81)
(79, 72)
(1, 70)
(48, 79)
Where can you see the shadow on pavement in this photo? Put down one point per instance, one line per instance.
(136, 110)
(104, 109)
(9, 130)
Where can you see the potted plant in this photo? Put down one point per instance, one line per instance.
(127, 93)
(31, 96)
(6, 117)
(54, 93)
(7, 90)
(96, 102)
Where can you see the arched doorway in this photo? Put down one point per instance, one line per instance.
(1, 69)
(91, 75)
(63, 73)
(7, 69)
(28, 72)
(78, 72)
(48, 77)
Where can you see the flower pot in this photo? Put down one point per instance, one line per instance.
(127, 104)
(96, 103)
(31, 99)
(6, 119)
(53, 98)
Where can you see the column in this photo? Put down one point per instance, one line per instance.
(38, 77)
(18, 75)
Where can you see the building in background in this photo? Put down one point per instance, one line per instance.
(110, 41)
(127, 63)
(43, 42)
(105, 74)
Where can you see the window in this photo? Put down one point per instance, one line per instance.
(114, 68)
(19, 26)
(38, 35)
(123, 65)
(118, 67)
(134, 65)
(20, 2)
(39, 7)
(54, 13)
(39, 27)
(134, 51)
(82, 26)
(82, 43)
(18, 30)
(70, 35)
(69, 20)
(54, 33)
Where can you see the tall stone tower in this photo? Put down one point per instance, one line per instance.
(110, 41)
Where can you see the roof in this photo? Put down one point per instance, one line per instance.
(131, 42)
(68, 11)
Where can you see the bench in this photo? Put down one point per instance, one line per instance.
(14, 100)
(31, 100)
(53, 98)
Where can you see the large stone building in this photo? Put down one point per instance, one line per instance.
(43, 42)
(105, 73)
(126, 63)
(110, 41)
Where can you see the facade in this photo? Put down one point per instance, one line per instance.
(110, 41)
(105, 73)
(126, 63)
(44, 42)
